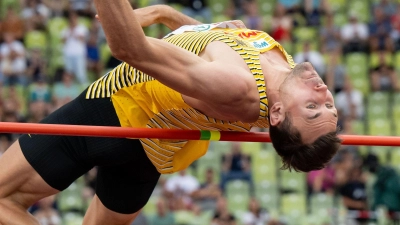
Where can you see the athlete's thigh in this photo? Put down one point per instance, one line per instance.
(125, 187)
(19, 181)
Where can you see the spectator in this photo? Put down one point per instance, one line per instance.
(314, 57)
(322, 181)
(251, 18)
(335, 73)
(347, 127)
(236, 165)
(82, 7)
(36, 66)
(179, 189)
(74, 37)
(380, 30)
(349, 102)
(354, 35)
(235, 9)
(343, 162)
(313, 10)
(13, 62)
(13, 24)
(384, 77)
(255, 215)
(197, 9)
(291, 6)
(46, 214)
(395, 22)
(388, 7)
(354, 195)
(13, 101)
(163, 216)
(40, 91)
(93, 54)
(330, 36)
(208, 193)
(66, 90)
(281, 24)
(39, 100)
(9, 115)
(386, 188)
(57, 7)
(354, 191)
(35, 12)
(222, 216)
(37, 111)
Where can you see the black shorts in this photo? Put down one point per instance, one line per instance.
(126, 177)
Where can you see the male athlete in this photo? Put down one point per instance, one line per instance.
(215, 77)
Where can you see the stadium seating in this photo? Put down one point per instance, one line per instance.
(378, 105)
(72, 218)
(36, 40)
(321, 204)
(380, 126)
(294, 206)
(292, 181)
(71, 198)
(238, 195)
(360, 8)
(358, 71)
(264, 167)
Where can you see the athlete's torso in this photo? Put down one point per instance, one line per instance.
(142, 101)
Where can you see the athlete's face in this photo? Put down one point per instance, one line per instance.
(309, 102)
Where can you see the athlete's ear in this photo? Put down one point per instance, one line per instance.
(97, 17)
(276, 114)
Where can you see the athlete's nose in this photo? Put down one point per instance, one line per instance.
(321, 87)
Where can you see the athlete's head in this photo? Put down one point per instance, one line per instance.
(304, 121)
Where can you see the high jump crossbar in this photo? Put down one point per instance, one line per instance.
(174, 134)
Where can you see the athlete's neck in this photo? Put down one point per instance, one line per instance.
(275, 69)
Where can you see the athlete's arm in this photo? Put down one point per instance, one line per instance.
(165, 15)
(162, 14)
(181, 70)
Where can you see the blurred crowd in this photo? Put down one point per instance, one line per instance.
(50, 50)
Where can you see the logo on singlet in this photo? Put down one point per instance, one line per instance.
(203, 27)
(260, 44)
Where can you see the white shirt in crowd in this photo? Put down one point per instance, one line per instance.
(29, 12)
(17, 65)
(249, 218)
(314, 57)
(349, 31)
(74, 46)
(182, 183)
(343, 101)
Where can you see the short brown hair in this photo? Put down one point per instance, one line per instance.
(299, 156)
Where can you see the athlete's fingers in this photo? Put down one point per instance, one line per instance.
(97, 17)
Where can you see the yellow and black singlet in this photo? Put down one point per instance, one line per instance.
(142, 101)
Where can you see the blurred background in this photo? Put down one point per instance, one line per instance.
(50, 50)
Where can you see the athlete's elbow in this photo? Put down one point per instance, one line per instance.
(122, 54)
(132, 55)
